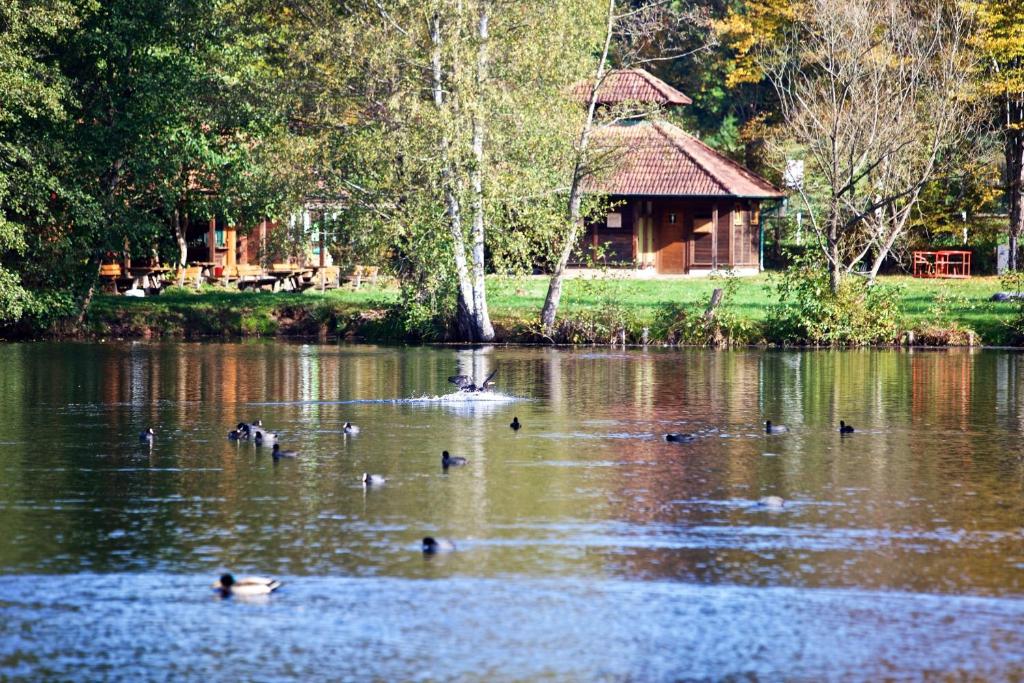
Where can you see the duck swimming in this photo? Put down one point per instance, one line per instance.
(451, 461)
(235, 435)
(262, 437)
(680, 438)
(769, 428)
(515, 424)
(373, 480)
(227, 586)
(433, 545)
(147, 435)
(845, 428)
(278, 453)
(350, 428)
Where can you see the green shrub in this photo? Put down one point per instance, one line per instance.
(809, 312)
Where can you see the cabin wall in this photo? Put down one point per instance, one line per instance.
(677, 235)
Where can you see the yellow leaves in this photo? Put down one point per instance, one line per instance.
(754, 23)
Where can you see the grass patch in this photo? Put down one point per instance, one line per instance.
(942, 307)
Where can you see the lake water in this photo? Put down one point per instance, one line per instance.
(588, 548)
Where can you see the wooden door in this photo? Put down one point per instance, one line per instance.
(671, 254)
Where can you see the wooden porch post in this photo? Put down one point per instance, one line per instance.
(263, 238)
(231, 241)
(211, 240)
(714, 236)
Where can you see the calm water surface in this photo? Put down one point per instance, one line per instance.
(588, 547)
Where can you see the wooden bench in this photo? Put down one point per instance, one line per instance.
(360, 274)
(113, 278)
(327, 277)
(190, 275)
(252, 276)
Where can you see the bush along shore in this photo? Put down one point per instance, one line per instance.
(767, 310)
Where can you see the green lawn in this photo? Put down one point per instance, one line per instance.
(924, 300)
(939, 302)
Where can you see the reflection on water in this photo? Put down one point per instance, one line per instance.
(588, 546)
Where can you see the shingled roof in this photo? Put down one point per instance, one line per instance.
(656, 158)
(633, 85)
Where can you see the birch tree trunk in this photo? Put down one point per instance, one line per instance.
(554, 296)
(483, 331)
(465, 316)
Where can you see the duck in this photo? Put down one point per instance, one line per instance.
(244, 430)
(147, 435)
(373, 480)
(227, 585)
(680, 438)
(515, 424)
(451, 461)
(350, 428)
(278, 453)
(433, 545)
(769, 428)
(235, 435)
(774, 502)
(262, 436)
(845, 428)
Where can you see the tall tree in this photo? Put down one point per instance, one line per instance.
(634, 35)
(448, 126)
(999, 36)
(874, 95)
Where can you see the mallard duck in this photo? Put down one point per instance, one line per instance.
(227, 585)
(373, 480)
(769, 428)
(350, 428)
(451, 461)
(771, 502)
(278, 453)
(845, 428)
(433, 545)
(680, 438)
(515, 424)
(147, 435)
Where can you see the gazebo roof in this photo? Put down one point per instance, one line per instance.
(633, 85)
(655, 158)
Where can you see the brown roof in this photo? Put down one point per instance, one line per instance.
(633, 85)
(657, 158)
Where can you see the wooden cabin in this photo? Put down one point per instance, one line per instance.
(678, 206)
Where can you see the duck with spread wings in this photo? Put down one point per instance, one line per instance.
(466, 383)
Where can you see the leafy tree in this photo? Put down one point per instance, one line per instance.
(448, 127)
(873, 95)
(999, 36)
(32, 98)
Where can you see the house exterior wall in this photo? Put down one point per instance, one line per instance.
(678, 234)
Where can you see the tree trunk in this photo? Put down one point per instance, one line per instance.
(483, 331)
(554, 295)
(179, 237)
(465, 316)
(1014, 156)
(835, 274)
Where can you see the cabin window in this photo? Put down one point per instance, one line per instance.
(614, 220)
(702, 224)
(650, 208)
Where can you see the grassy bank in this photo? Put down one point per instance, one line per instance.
(593, 308)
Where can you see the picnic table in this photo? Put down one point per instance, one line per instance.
(149, 278)
(291, 278)
(945, 263)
